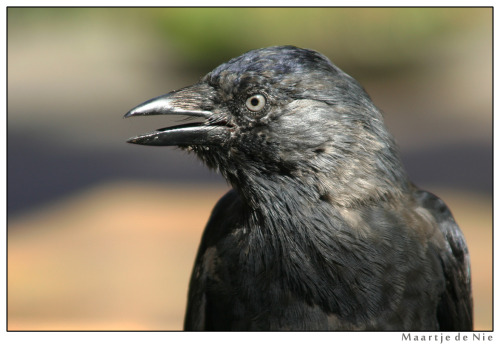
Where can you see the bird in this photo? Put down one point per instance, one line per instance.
(322, 228)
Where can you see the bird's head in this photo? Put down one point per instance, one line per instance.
(282, 113)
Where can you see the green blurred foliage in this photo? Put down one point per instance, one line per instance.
(373, 37)
(370, 38)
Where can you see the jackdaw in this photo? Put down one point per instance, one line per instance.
(323, 229)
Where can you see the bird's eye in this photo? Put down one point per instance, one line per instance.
(255, 102)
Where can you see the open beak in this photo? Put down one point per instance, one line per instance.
(195, 101)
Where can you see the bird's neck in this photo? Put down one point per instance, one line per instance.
(287, 195)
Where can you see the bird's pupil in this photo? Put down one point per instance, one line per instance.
(254, 101)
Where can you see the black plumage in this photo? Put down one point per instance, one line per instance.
(322, 229)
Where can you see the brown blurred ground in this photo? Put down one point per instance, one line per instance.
(119, 256)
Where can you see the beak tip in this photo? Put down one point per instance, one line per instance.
(133, 140)
(129, 114)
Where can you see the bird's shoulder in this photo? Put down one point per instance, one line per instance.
(221, 234)
(226, 216)
(455, 305)
(456, 246)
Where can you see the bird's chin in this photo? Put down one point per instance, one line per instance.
(198, 133)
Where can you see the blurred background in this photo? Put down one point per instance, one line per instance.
(103, 234)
